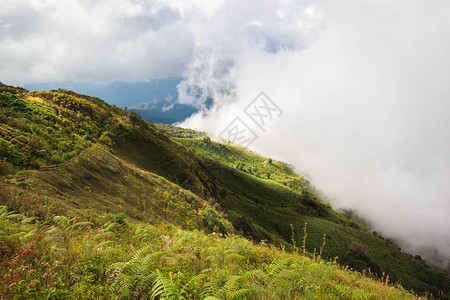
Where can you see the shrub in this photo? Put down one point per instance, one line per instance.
(5, 167)
(353, 225)
(207, 140)
(117, 218)
(214, 221)
(359, 250)
(8, 152)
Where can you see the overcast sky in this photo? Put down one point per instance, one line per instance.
(363, 85)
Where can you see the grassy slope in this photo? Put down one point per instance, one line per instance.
(265, 208)
(100, 181)
(131, 167)
(112, 258)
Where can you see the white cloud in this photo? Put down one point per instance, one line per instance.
(365, 111)
(236, 28)
(91, 40)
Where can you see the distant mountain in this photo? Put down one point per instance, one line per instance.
(156, 100)
(168, 111)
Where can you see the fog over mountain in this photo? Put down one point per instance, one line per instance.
(365, 98)
(363, 86)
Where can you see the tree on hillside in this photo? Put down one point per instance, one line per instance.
(135, 119)
(207, 140)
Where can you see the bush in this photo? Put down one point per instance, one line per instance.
(214, 221)
(5, 167)
(8, 152)
(358, 250)
(117, 218)
(207, 141)
(353, 225)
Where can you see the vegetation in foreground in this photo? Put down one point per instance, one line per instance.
(108, 258)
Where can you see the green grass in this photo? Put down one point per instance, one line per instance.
(242, 159)
(100, 182)
(264, 209)
(68, 258)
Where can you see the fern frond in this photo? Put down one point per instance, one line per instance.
(104, 244)
(275, 268)
(144, 234)
(362, 295)
(163, 287)
(104, 235)
(15, 216)
(77, 225)
(116, 266)
(111, 251)
(239, 294)
(339, 290)
(28, 220)
(109, 228)
(140, 254)
(255, 274)
(210, 289)
(3, 209)
(124, 285)
(193, 280)
(232, 284)
(234, 257)
(62, 221)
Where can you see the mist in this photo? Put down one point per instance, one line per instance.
(364, 90)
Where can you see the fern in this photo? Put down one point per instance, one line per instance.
(274, 270)
(255, 275)
(163, 287)
(231, 286)
(362, 295)
(339, 290)
(239, 294)
(194, 280)
(125, 285)
(145, 234)
(63, 229)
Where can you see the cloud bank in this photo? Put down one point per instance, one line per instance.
(364, 89)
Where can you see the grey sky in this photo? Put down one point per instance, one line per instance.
(91, 40)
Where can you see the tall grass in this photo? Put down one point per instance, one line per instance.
(130, 261)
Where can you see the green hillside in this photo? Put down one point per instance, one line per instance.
(107, 205)
(264, 197)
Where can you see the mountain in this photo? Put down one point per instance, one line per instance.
(118, 93)
(95, 202)
(168, 111)
(155, 100)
